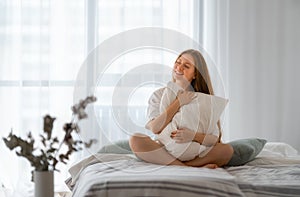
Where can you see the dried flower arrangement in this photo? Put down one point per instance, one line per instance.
(46, 157)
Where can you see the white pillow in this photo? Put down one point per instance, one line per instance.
(201, 114)
(278, 149)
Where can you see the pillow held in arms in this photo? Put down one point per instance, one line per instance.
(245, 150)
(201, 114)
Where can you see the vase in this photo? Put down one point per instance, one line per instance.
(43, 184)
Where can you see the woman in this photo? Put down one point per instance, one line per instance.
(191, 73)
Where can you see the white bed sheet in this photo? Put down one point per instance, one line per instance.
(105, 175)
(275, 172)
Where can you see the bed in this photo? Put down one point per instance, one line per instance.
(274, 172)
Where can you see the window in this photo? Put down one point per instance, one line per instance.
(43, 45)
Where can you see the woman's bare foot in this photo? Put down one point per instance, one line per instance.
(211, 166)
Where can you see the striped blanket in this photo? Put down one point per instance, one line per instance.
(124, 175)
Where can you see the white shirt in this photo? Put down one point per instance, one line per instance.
(153, 104)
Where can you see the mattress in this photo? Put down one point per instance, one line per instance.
(125, 175)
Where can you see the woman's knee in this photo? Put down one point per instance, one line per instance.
(137, 141)
(222, 154)
(227, 152)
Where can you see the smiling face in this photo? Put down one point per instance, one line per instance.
(184, 69)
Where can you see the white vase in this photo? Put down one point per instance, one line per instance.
(43, 184)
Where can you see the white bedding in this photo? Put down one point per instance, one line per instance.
(275, 172)
(276, 153)
(131, 177)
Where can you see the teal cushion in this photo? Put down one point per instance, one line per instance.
(119, 147)
(245, 150)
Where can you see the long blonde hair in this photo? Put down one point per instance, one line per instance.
(202, 82)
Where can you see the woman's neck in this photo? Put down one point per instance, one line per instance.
(185, 85)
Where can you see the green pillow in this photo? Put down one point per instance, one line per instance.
(119, 147)
(245, 150)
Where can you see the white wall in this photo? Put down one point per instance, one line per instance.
(263, 69)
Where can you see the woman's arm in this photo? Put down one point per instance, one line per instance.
(185, 135)
(205, 139)
(159, 123)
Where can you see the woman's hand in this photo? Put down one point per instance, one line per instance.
(183, 135)
(185, 97)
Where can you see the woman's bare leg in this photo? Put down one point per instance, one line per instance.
(148, 150)
(219, 155)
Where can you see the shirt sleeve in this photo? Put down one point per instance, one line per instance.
(153, 104)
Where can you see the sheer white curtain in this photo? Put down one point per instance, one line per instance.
(44, 43)
(256, 45)
(42, 46)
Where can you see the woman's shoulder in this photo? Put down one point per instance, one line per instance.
(157, 94)
(159, 91)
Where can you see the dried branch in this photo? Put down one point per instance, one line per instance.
(49, 155)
